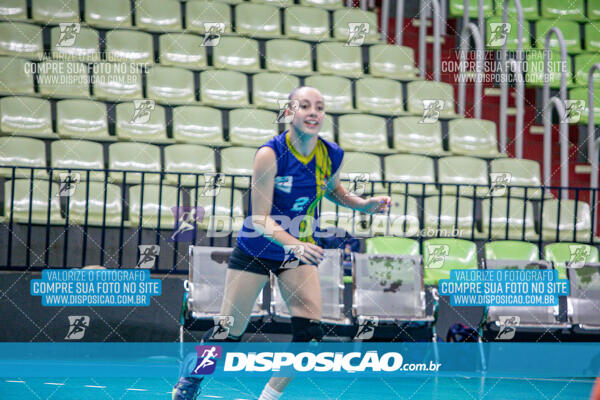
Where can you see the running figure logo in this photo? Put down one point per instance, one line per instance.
(358, 183)
(287, 109)
(207, 359)
(186, 217)
(366, 327)
(212, 184)
(68, 183)
(507, 327)
(498, 33)
(148, 254)
(213, 30)
(142, 111)
(437, 255)
(68, 34)
(574, 109)
(431, 111)
(77, 326)
(579, 255)
(357, 33)
(499, 183)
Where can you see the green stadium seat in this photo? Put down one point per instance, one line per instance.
(182, 50)
(530, 9)
(268, 88)
(592, 37)
(170, 85)
(467, 171)
(134, 123)
(91, 200)
(561, 254)
(457, 8)
(306, 23)
(251, 127)
(379, 96)
(362, 132)
(223, 209)
(289, 56)
(257, 20)
(53, 12)
(442, 255)
(63, 79)
(85, 46)
(82, 119)
(410, 168)
(108, 14)
(473, 137)
(572, 9)
(569, 221)
(392, 245)
(327, 4)
(338, 59)
(132, 156)
(403, 211)
(593, 10)
(443, 93)
(112, 83)
(569, 29)
(582, 94)
(201, 12)
(583, 63)
(517, 213)
(158, 15)
(189, 159)
(129, 46)
(511, 250)
(237, 53)
(145, 208)
(336, 91)
(412, 136)
(22, 152)
(394, 62)
(278, 3)
(16, 76)
(237, 161)
(28, 116)
(326, 131)
(82, 154)
(13, 10)
(342, 18)
(495, 38)
(198, 124)
(21, 40)
(365, 169)
(226, 89)
(42, 199)
(534, 76)
(442, 219)
(520, 172)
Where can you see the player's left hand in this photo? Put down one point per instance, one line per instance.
(377, 205)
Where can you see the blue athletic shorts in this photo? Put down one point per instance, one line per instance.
(243, 261)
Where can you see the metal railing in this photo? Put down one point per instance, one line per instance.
(41, 228)
(560, 105)
(425, 5)
(385, 20)
(480, 18)
(516, 66)
(471, 30)
(593, 143)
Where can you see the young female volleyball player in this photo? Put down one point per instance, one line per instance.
(292, 173)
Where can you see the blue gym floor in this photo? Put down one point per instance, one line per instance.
(302, 388)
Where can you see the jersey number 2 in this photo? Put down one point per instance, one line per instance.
(300, 203)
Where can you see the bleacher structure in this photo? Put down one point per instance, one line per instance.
(151, 106)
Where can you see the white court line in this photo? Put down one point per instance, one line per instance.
(9, 381)
(95, 386)
(212, 397)
(54, 383)
(137, 390)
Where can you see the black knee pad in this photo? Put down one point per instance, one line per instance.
(218, 334)
(306, 330)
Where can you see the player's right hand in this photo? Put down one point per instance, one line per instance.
(309, 253)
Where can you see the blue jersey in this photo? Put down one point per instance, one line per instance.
(300, 184)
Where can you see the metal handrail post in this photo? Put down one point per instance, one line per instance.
(564, 142)
(593, 144)
(471, 29)
(399, 21)
(385, 19)
(437, 51)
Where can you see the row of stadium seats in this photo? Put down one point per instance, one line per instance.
(24, 153)
(162, 15)
(442, 216)
(253, 20)
(569, 10)
(25, 116)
